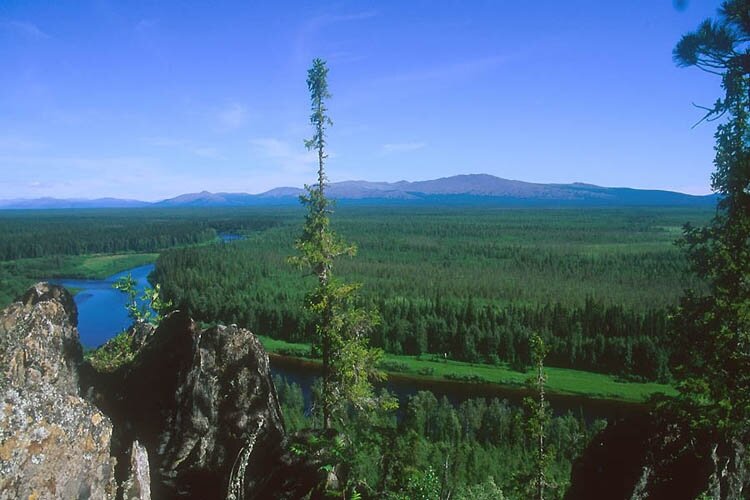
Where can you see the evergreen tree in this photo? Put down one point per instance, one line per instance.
(342, 327)
(712, 329)
(539, 418)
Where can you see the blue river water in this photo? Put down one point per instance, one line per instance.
(101, 308)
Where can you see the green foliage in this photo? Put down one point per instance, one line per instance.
(93, 244)
(341, 326)
(292, 404)
(116, 352)
(150, 307)
(466, 378)
(42, 233)
(487, 490)
(712, 327)
(465, 451)
(421, 485)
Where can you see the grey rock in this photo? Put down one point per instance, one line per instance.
(53, 443)
(138, 484)
(194, 398)
(191, 405)
(39, 341)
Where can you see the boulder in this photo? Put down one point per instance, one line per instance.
(53, 443)
(194, 399)
(39, 342)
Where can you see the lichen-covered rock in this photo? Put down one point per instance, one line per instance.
(193, 398)
(39, 340)
(53, 444)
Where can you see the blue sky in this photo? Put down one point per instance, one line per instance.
(148, 99)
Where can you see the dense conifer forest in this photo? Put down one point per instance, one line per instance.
(92, 243)
(478, 449)
(28, 234)
(471, 283)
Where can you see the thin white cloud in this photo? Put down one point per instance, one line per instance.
(403, 147)
(327, 19)
(29, 30)
(15, 143)
(83, 177)
(309, 31)
(232, 116)
(145, 25)
(283, 154)
(184, 146)
(343, 57)
(206, 152)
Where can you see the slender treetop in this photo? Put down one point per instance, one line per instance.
(317, 84)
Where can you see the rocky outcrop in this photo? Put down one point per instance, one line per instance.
(53, 443)
(191, 408)
(194, 399)
(659, 456)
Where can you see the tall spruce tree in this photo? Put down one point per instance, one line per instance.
(538, 419)
(341, 326)
(712, 326)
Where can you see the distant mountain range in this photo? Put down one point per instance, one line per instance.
(473, 189)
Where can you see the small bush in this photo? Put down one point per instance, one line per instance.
(116, 352)
(394, 366)
(294, 352)
(466, 378)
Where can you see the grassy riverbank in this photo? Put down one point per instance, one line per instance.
(559, 380)
(101, 266)
(17, 275)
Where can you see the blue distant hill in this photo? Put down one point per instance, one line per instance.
(472, 189)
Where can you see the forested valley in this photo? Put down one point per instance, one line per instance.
(471, 284)
(467, 283)
(91, 243)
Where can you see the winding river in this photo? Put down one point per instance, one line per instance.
(101, 308)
